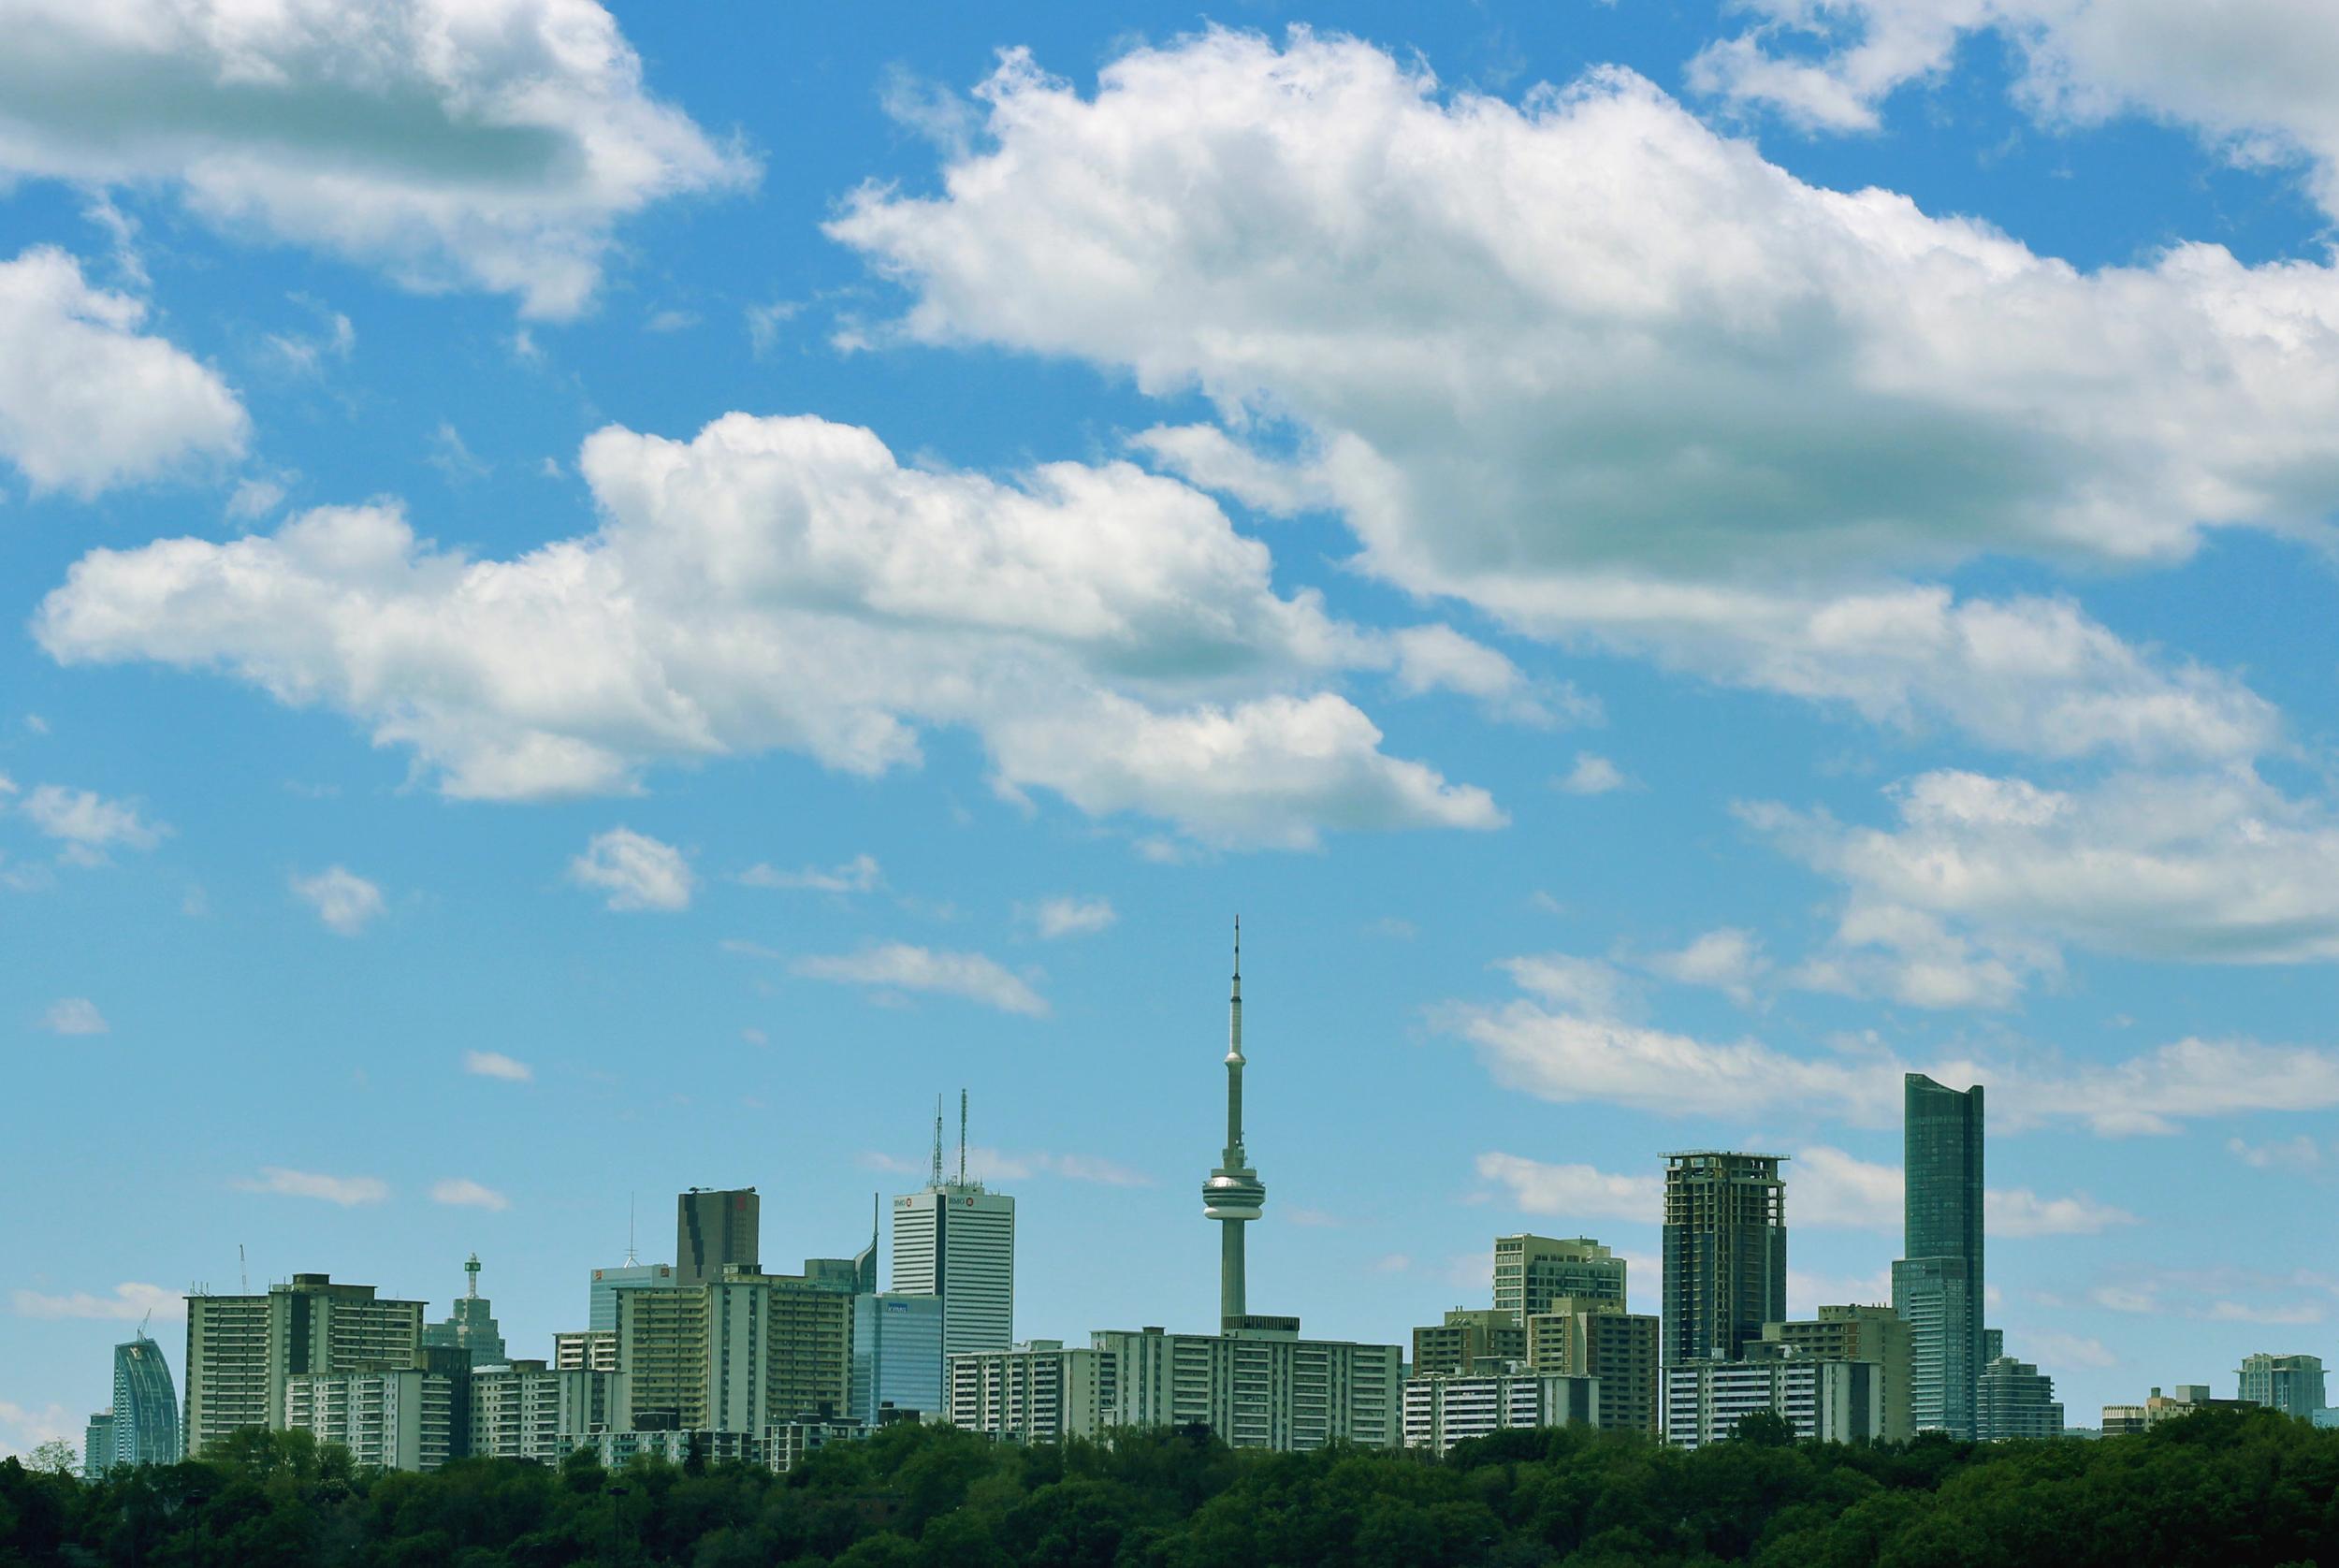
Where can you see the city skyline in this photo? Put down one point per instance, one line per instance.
(847, 596)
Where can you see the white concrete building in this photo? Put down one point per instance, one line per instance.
(956, 1241)
(1260, 1386)
(1040, 1392)
(401, 1418)
(1833, 1401)
(1443, 1409)
(525, 1410)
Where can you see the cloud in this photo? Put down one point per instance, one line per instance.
(786, 583)
(1570, 1046)
(2298, 1154)
(344, 901)
(898, 967)
(996, 1165)
(860, 874)
(2020, 1211)
(131, 1303)
(87, 403)
(1727, 960)
(74, 1015)
(488, 144)
(462, 1193)
(1807, 1292)
(2047, 1348)
(494, 1063)
(2204, 1297)
(347, 1191)
(1988, 876)
(1073, 917)
(23, 1428)
(1614, 379)
(1575, 1191)
(636, 871)
(1592, 775)
(89, 824)
(2251, 77)
(1828, 1188)
(454, 458)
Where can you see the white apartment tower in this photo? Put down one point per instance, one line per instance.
(956, 1239)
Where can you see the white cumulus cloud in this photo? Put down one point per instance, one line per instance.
(490, 144)
(1073, 917)
(131, 1303)
(1611, 377)
(898, 967)
(858, 875)
(494, 1063)
(346, 1191)
(462, 1193)
(74, 1015)
(344, 901)
(1573, 1192)
(87, 823)
(636, 871)
(87, 402)
(784, 583)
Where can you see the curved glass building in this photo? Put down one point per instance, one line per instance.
(145, 1426)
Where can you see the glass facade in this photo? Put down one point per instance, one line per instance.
(1938, 1286)
(897, 1355)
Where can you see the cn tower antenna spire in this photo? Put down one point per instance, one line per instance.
(1233, 1194)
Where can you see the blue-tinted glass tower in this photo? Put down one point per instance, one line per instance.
(1937, 1286)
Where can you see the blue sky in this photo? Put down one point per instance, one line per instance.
(602, 601)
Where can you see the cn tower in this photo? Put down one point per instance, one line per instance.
(1234, 1194)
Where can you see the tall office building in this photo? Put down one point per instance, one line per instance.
(956, 1239)
(714, 1230)
(2290, 1384)
(142, 1426)
(602, 1308)
(1532, 1271)
(243, 1350)
(1938, 1286)
(471, 1327)
(1233, 1195)
(896, 1357)
(1725, 1253)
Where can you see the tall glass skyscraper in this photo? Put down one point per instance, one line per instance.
(143, 1426)
(1938, 1286)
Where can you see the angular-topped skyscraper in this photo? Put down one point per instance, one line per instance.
(1233, 1196)
(1938, 1283)
(956, 1239)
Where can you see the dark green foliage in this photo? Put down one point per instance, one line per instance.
(2222, 1488)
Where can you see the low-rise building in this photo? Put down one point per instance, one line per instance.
(1470, 1340)
(2186, 1398)
(1595, 1337)
(1257, 1385)
(1442, 1409)
(1853, 1333)
(2013, 1400)
(1039, 1392)
(2290, 1384)
(1832, 1401)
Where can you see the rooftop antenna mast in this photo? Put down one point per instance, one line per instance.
(242, 1272)
(629, 1230)
(962, 1137)
(936, 1180)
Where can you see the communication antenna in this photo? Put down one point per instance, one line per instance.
(242, 1272)
(937, 1178)
(629, 1230)
(962, 1137)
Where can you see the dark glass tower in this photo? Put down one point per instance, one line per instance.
(146, 1406)
(1938, 1286)
(714, 1230)
(1725, 1253)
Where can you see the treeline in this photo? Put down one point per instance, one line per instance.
(2221, 1488)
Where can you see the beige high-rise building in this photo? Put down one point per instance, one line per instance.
(1580, 1336)
(243, 1350)
(1532, 1271)
(584, 1350)
(1470, 1340)
(740, 1353)
(1851, 1333)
